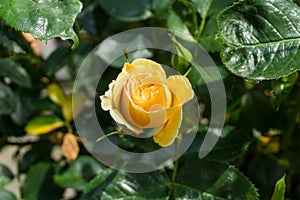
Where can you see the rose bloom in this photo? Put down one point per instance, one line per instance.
(143, 97)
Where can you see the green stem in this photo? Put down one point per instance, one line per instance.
(202, 25)
(109, 134)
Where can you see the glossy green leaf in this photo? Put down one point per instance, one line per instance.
(111, 184)
(5, 176)
(43, 19)
(131, 10)
(7, 195)
(261, 38)
(15, 72)
(203, 180)
(79, 173)
(7, 100)
(43, 124)
(56, 93)
(39, 183)
(279, 189)
(216, 178)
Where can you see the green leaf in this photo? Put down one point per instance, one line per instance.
(279, 189)
(112, 48)
(43, 19)
(5, 176)
(203, 180)
(15, 72)
(215, 178)
(40, 151)
(261, 38)
(57, 60)
(232, 144)
(110, 184)
(283, 86)
(43, 124)
(270, 171)
(22, 110)
(175, 23)
(79, 173)
(7, 100)
(161, 8)
(256, 110)
(8, 45)
(39, 183)
(7, 195)
(208, 30)
(131, 10)
(92, 18)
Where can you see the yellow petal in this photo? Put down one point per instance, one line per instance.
(117, 116)
(139, 117)
(181, 88)
(146, 63)
(167, 134)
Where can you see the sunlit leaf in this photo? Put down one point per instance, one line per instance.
(261, 38)
(56, 93)
(43, 19)
(70, 108)
(279, 189)
(43, 124)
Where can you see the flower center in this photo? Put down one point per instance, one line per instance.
(149, 95)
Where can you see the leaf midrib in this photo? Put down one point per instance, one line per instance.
(263, 43)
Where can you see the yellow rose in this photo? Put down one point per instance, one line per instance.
(143, 97)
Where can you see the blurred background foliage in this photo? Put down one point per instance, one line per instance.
(255, 44)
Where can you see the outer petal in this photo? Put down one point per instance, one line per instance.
(106, 99)
(147, 63)
(166, 135)
(117, 116)
(181, 88)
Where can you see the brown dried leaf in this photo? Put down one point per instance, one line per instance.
(70, 148)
